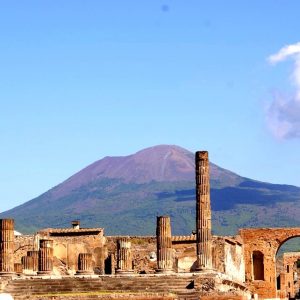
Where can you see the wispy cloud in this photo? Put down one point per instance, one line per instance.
(283, 114)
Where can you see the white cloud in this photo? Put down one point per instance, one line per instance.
(283, 114)
(285, 52)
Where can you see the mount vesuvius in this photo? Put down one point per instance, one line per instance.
(125, 194)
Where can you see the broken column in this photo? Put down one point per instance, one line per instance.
(45, 257)
(18, 267)
(124, 256)
(35, 259)
(7, 246)
(203, 212)
(164, 245)
(27, 263)
(85, 264)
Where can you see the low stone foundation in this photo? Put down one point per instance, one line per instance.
(156, 286)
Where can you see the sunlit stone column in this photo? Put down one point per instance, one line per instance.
(7, 245)
(35, 259)
(45, 257)
(85, 264)
(27, 263)
(102, 260)
(18, 268)
(124, 256)
(203, 211)
(164, 245)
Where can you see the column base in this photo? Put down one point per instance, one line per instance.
(44, 273)
(124, 272)
(81, 272)
(164, 271)
(4, 274)
(204, 270)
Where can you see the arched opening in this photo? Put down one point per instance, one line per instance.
(288, 268)
(258, 265)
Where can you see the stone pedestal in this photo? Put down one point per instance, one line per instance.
(85, 264)
(124, 256)
(203, 211)
(164, 245)
(45, 257)
(7, 238)
(35, 259)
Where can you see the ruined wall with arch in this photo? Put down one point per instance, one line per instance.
(260, 248)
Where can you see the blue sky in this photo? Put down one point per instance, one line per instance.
(80, 80)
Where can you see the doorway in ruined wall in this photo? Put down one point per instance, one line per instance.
(288, 268)
(258, 265)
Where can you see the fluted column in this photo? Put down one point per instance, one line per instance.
(35, 259)
(85, 263)
(7, 245)
(18, 268)
(27, 263)
(203, 211)
(124, 256)
(45, 257)
(164, 245)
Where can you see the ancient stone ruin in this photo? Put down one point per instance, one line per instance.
(203, 211)
(83, 263)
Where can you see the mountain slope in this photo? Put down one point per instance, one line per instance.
(124, 195)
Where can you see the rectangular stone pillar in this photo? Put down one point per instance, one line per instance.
(164, 245)
(35, 259)
(203, 212)
(7, 238)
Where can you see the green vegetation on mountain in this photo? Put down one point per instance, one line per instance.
(125, 194)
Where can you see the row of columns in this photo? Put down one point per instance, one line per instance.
(42, 260)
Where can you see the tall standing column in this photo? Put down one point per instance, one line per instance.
(203, 211)
(46, 257)
(124, 256)
(164, 245)
(7, 245)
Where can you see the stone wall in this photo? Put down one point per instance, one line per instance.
(227, 253)
(234, 260)
(67, 248)
(23, 243)
(260, 248)
(143, 252)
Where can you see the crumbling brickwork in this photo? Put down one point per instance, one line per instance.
(260, 248)
(288, 276)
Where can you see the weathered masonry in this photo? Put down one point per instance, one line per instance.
(165, 259)
(260, 249)
(203, 211)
